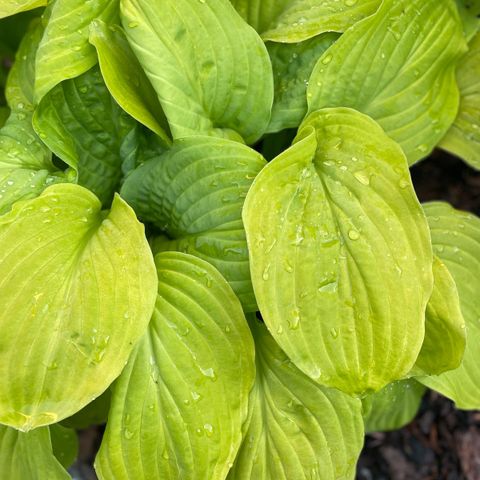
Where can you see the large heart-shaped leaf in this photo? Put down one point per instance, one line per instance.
(179, 405)
(296, 429)
(456, 241)
(77, 290)
(340, 253)
(11, 7)
(291, 21)
(28, 455)
(463, 138)
(397, 66)
(71, 121)
(210, 70)
(64, 51)
(125, 78)
(195, 192)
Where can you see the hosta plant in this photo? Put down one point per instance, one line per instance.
(210, 239)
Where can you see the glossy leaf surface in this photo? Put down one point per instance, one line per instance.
(11, 7)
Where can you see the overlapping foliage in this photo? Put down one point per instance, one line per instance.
(286, 291)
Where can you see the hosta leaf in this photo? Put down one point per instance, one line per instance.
(125, 78)
(80, 285)
(28, 455)
(456, 240)
(210, 70)
(340, 253)
(444, 342)
(94, 413)
(11, 7)
(398, 67)
(297, 430)
(64, 444)
(71, 121)
(296, 20)
(394, 406)
(179, 405)
(64, 51)
(25, 163)
(463, 138)
(469, 16)
(292, 66)
(195, 193)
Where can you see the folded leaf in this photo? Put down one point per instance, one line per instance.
(77, 290)
(179, 405)
(27, 455)
(71, 121)
(210, 70)
(463, 138)
(340, 253)
(125, 78)
(195, 192)
(444, 343)
(11, 7)
(292, 21)
(296, 428)
(456, 241)
(394, 406)
(64, 444)
(64, 51)
(398, 67)
(292, 66)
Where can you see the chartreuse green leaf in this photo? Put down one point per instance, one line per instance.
(292, 66)
(125, 78)
(179, 405)
(340, 253)
(456, 240)
(445, 340)
(210, 70)
(393, 407)
(194, 192)
(398, 67)
(64, 51)
(71, 119)
(25, 162)
(64, 444)
(11, 7)
(80, 285)
(296, 429)
(290, 21)
(28, 455)
(463, 138)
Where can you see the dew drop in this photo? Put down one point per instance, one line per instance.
(353, 235)
(327, 59)
(265, 274)
(133, 25)
(363, 177)
(128, 434)
(208, 429)
(334, 333)
(403, 183)
(294, 322)
(209, 373)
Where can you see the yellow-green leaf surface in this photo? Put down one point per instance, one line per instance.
(291, 21)
(469, 13)
(179, 405)
(210, 70)
(64, 444)
(456, 241)
(84, 126)
(125, 78)
(340, 253)
(463, 138)
(25, 162)
(64, 51)
(11, 7)
(398, 67)
(297, 429)
(77, 290)
(292, 66)
(195, 192)
(445, 340)
(25, 456)
(393, 407)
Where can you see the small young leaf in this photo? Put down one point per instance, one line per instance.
(296, 428)
(179, 405)
(340, 253)
(77, 289)
(210, 70)
(456, 241)
(398, 67)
